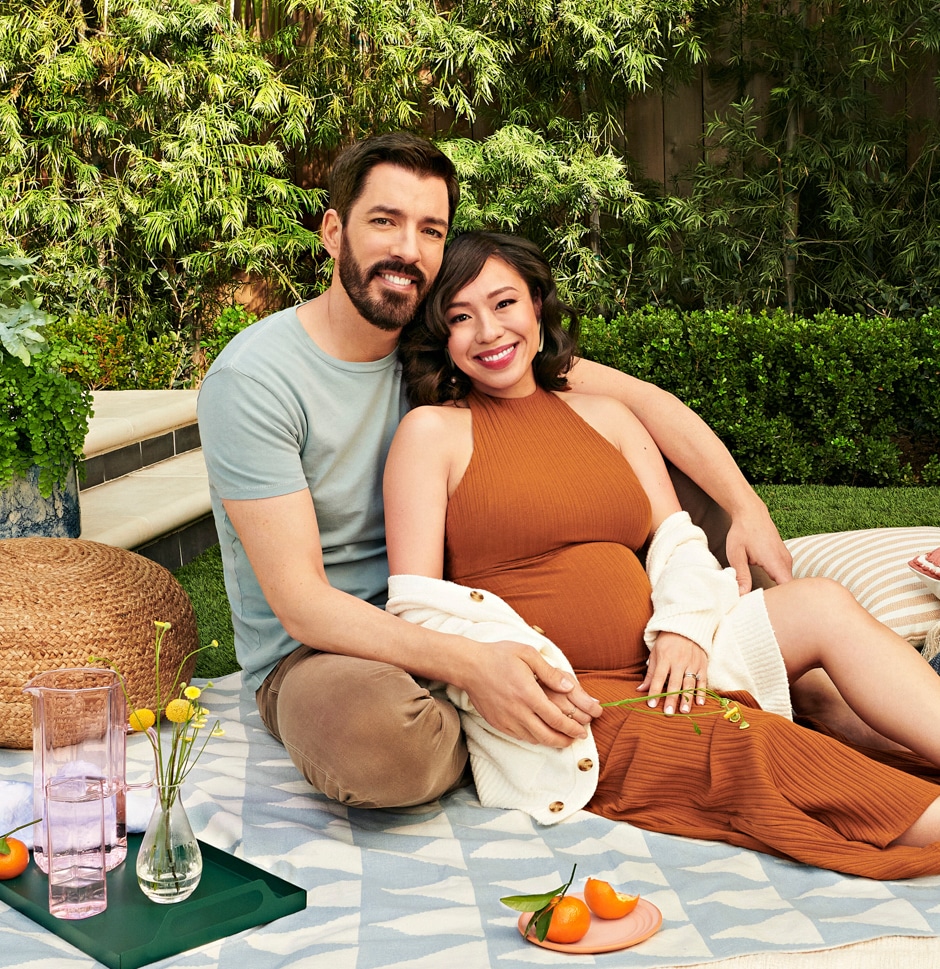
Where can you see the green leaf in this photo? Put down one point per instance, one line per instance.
(542, 921)
(540, 906)
(530, 903)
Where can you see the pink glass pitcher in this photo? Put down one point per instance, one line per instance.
(79, 730)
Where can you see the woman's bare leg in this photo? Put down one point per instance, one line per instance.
(815, 696)
(887, 683)
(925, 830)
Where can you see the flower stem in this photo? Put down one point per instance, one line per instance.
(728, 709)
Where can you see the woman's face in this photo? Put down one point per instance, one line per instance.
(494, 331)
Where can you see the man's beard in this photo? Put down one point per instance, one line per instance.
(391, 310)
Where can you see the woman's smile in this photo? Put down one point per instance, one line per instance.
(499, 358)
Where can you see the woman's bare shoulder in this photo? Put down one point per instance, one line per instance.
(434, 417)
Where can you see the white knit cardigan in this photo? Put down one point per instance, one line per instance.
(695, 597)
(692, 596)
(548, 783)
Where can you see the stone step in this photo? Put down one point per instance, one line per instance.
(146, 486)
(131, 429)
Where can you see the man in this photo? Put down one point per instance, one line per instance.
(296, 416)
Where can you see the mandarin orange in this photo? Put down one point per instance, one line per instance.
(14, 857)
(606, 902)
(570, 920)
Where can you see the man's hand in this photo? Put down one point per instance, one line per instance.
(753, 539)
(516, 691)
(679, 666)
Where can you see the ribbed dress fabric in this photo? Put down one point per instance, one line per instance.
(549, 516)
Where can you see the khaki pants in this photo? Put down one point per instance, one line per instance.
(368, 735)
(364, 733)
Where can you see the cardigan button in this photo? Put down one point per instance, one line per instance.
(585, 763)
(556, 806)
(538, 629)
(476, 596)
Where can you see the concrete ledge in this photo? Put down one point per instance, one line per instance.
(125, 417)
(137, 508)
(180, 548)
(140, 454)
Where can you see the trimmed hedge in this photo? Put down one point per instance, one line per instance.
(829, 399)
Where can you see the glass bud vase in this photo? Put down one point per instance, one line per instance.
(169, 863)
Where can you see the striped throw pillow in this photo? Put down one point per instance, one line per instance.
(872, 564)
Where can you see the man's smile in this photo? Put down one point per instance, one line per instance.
(395, 280)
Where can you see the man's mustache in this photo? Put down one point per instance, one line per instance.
(399, 269)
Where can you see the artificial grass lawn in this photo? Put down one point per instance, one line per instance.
(813, 509)
(795, 509)
(202, 580)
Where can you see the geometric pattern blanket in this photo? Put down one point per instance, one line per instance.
(420, 888)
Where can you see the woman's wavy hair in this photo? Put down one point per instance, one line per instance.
(429, 375)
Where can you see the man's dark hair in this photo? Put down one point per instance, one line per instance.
(399, 148)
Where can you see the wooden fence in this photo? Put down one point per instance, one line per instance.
(665, 133)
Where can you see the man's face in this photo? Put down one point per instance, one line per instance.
(392, 244)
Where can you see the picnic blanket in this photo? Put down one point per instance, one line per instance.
(420, 888)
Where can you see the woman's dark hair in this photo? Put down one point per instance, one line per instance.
(428, 373)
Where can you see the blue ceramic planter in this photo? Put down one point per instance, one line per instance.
(24, 513)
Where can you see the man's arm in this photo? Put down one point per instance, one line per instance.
(690, 444)
(282, 541)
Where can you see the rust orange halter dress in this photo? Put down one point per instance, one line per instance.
(549, 516)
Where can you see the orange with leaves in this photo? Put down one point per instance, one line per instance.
(570, 920)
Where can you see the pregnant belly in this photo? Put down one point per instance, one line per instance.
(592, 600)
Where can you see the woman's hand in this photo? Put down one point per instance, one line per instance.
(679, 666)
(576, 705)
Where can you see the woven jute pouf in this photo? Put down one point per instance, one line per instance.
(64, 600)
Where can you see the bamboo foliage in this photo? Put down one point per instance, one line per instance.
(156, 152)
(525, 96)
(145, 159)
(824, 192)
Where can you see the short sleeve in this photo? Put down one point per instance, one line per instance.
(251, 437)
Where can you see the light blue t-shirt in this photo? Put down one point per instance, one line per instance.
(276, 415)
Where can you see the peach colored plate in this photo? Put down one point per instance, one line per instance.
(606, 935)
(932, 583)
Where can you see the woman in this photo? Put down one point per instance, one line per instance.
(542, 497)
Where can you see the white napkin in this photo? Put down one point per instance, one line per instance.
(16, 808)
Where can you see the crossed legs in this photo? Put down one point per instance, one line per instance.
(887, 685)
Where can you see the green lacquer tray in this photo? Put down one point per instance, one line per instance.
(233, 895)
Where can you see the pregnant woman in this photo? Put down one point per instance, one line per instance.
(512, 484)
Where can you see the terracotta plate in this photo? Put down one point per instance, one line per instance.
(607, 935)
(932, 584)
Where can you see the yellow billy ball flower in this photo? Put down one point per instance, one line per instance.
(192, 693)
(142, 719)
(179, 710)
